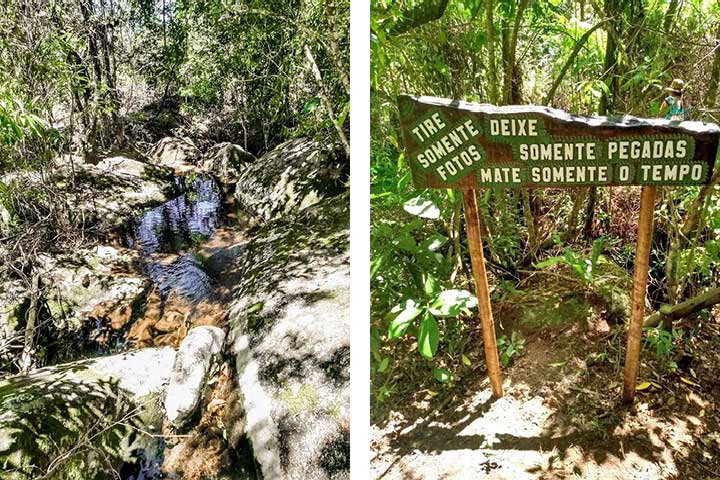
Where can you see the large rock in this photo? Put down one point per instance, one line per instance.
(85, 292)
(82, 419)
(290, 338)
(295, 175)
(196, 361)
(177, 153)
(226, 161)
(90, 284)
(105, 194)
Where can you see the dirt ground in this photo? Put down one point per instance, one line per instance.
(561, 416)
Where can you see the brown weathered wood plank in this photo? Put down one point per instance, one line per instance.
(482, 290)
(640, 277)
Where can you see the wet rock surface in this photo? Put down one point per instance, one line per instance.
(117, 187)
(91, 284)
(177, 153)
(226, 161)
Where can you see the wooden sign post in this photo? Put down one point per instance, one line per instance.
(454, 144)
(482, 290)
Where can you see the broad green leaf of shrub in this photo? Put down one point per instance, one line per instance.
(549, 262)
(442, 375)
(407, 243)
(433, 242)
(422, 207)
(449, 303)
(428, 336)
(431, 286)
(407, 314)
(384, 365)
(311, 105)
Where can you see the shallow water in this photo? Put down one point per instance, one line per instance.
(165, 237)
(173, 228)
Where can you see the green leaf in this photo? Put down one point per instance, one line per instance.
(376, 263)
(407, 244)
(449, 303)
(428, 336)
(311, 105)
(255, 307)
(442, 375)
(343, 114)
(549, 262)
(431, 286)
(596, 250)
(504, 359)
(384, 365)
(465, 360)
(375, 343)
(407, 314)
(433, 242)
(422, 207)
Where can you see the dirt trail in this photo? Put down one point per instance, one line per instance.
(561, 416)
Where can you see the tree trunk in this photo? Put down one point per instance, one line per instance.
(711, 94)
(672, 259)
(529, 221)
(492, 73)
(608, 76)
(333, 48)
(684, 309)
(326, 100)
(578, 46)
(509, 55)
(575, 213)
(670, 16)
(590, 212)
(27, 360)
(693, 216)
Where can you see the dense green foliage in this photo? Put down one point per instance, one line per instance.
(85, 79)
(93, 69)
(612, 57)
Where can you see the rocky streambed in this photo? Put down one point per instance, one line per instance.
(204, 343)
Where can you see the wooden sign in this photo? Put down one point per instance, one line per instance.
(454, 144)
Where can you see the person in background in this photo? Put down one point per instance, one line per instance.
(675, 105)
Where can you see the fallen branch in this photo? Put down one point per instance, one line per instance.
(668, 313)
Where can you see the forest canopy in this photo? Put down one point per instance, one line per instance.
(80, 75)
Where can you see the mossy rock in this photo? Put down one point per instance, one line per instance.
(80, 420)
(295, 246)
(289, 329)
(293, 176)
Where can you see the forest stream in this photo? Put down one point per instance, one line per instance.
(198, 318)
(167, 238)
(171, 228)
(174, 240)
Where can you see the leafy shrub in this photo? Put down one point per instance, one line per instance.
(508, 347)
